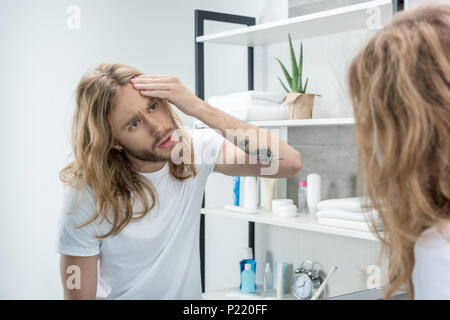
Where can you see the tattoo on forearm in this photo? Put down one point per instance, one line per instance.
(263, 155)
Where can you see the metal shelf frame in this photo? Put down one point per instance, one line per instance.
(200, 18)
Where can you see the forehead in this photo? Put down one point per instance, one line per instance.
(130, 100)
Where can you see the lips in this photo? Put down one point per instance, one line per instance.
(167, 142)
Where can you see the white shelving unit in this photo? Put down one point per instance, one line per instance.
(301, 222)
(235, 294)
(354, 17)
(344, 19)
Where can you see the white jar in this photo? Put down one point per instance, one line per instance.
(277, 203)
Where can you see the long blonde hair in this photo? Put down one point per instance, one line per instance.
(400, 89)
(105, 170)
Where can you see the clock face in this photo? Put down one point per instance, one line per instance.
(302, 286)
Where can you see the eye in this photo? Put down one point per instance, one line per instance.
(152, 107)
(133, 124)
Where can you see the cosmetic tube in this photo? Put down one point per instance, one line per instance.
(269, 192)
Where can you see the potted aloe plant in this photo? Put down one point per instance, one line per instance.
(299, 102)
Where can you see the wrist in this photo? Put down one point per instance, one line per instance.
(200, 110)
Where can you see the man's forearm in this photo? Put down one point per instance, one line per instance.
(266, 146)
(220, 120)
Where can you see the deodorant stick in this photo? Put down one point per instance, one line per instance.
(250, 193)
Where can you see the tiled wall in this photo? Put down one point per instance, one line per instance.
(329, 151)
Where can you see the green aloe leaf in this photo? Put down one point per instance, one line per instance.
(286, 74)
(285, 88)
(306, 84)
(300, 69)
(294, 66)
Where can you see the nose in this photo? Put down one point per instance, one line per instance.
(155, 126)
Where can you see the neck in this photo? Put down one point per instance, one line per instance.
(147, 166)
(152, 167)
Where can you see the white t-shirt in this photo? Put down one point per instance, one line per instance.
(431, 273)
(158, 256)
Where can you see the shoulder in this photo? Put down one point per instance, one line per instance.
(203, 135)
(207, 145)
(73, 196)
(207, 141)
(75, 236)
(431, 278)
(78, 206)
(434, 239)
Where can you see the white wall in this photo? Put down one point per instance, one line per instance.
(410, 4)
(41, 62)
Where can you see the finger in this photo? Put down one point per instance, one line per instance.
(155, 93)
(151, 80)
(151, 77)
(150, 86)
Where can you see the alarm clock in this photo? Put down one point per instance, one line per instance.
(302, 286)
(306, 280)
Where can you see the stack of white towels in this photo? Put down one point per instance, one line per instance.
(250, 106)
(347, 213)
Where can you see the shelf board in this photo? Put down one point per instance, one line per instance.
(343, 19)
(235, 294)
(300, 222)
(305, 122)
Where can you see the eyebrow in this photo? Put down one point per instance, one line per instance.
(136, 114)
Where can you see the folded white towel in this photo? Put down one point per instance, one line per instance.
(249, 112)
(261, 113)
(235, 109)
(224, 103)
(347, 204)
(273, 96)
(347, 224)
(250, 97)
(348, 215)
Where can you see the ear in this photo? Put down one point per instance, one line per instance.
(118, 147)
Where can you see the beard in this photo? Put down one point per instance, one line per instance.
(147, 155)
(150, 155)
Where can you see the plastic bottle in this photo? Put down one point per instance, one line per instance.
(302, 197)
(268, 280)
(250, 193)
(248, 279)
(236, 187)
(248, 258)
(313, 193)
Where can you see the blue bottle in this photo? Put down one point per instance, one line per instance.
(248, 259)
(248, 279)
(236, 187)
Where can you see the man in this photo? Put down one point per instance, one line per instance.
(129, 148)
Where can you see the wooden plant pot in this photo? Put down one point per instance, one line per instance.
(300, 105)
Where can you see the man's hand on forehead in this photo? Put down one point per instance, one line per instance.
(170, 88)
